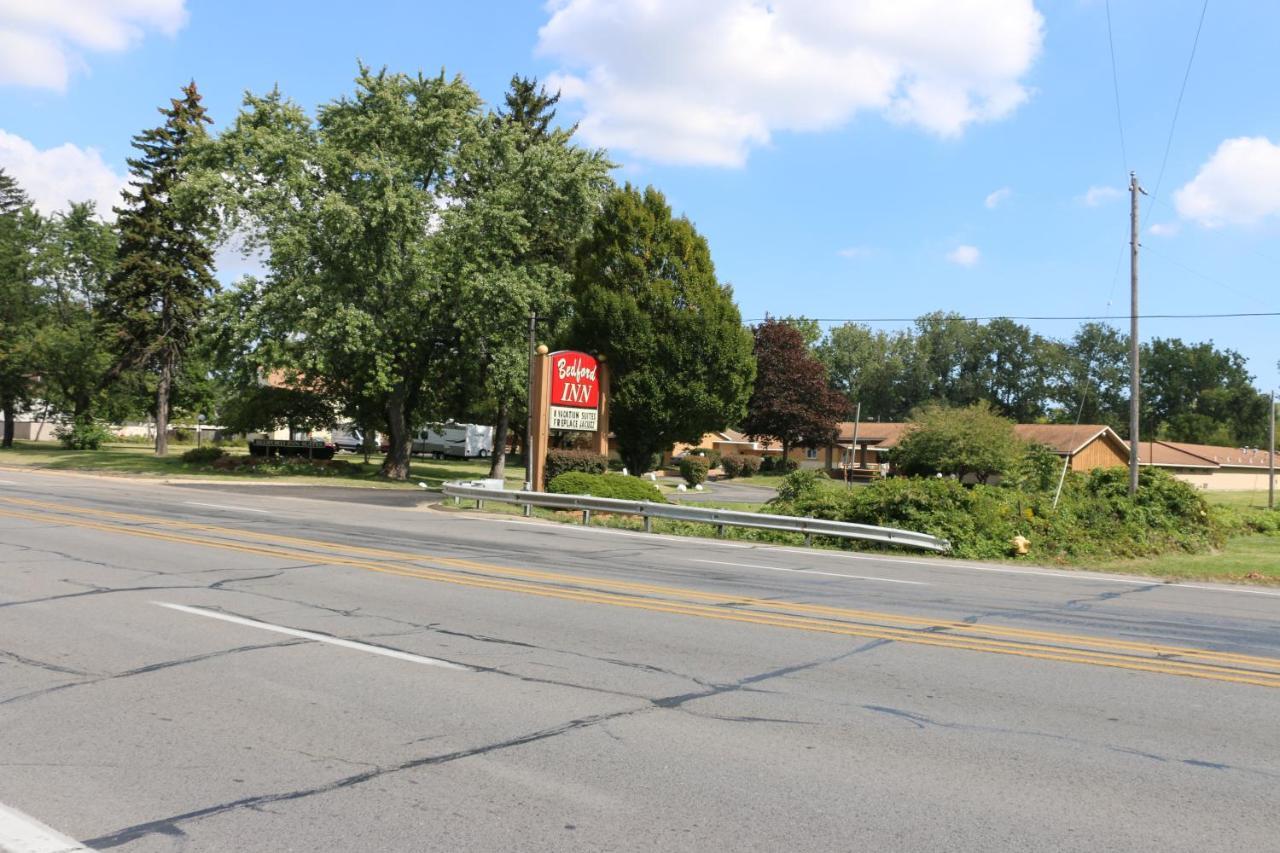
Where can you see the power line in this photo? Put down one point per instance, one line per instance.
(1031, 317)
(1178, 105)
(1115, 86)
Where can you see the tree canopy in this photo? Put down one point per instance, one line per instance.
(958, 442)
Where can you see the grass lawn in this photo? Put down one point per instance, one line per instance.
(138, 460)
(1241, 500)
(1254, 558)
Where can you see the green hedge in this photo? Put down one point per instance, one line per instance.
(1095, 518)
(617, 486)
(562, 461)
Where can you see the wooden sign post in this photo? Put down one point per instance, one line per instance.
(570, 392)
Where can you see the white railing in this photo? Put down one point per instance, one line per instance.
(720, 518)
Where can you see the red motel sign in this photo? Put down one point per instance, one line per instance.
(575, 391)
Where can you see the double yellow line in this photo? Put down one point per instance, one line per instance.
(944, 633)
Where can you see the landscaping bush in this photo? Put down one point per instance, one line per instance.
(203, 455)
(800, 484)
(739, 465)
(777, 465)
(616, 486)
(562, 461)
(84, 434)
(750, 465)
(693, 469)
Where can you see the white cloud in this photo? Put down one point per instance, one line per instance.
(1096, 196)
(41, 40)
(1239, 185)
(854, 252)
(994, 199)
(54, 176)
(704, 82)
(965, 256)
(1165, 229)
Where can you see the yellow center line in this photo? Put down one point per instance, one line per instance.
(728, 609)
(883, 619)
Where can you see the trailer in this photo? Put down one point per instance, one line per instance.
(458, 441)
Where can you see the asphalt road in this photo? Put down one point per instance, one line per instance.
(189, 669)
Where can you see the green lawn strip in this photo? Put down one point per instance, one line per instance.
(1254, 558)
(139, 461)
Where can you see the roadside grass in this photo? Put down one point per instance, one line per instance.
(1254, 558)
(1256, 498)
(139, 461)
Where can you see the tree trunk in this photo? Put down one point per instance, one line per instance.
(498, 466)
(162, 403)
(8, 407)
(786, 457)
(396, 464)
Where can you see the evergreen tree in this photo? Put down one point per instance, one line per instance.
(646, 296)
(163, 276)
(531, 107)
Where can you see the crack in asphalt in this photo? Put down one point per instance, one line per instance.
(921, 721)
(149, 668)
(39, 664)
(171, 826)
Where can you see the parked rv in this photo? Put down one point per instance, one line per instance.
(459, 441)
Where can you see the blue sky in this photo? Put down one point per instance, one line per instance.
(844, 159)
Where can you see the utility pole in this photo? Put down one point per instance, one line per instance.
(1271, 458)
(1134, 391)
(528, 426)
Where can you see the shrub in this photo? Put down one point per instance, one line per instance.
(800, 484)
(731, 466)
(83, 434)
(750, 465)
(693, 469)
(713, 457)
(562, 461)
(605, 486)
(1095, 518)
(203, 455)
(973, 440)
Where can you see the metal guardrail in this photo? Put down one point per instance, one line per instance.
(721, 518)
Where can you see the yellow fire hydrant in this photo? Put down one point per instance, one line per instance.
(1021, 545)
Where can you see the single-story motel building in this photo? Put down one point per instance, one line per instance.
(862, 452)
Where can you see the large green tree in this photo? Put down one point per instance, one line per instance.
(963, 441)
(20, 233)
(524, 199)
(352, 206)
(1199, 393)
(74, 348)
(163, 276)
(646, 297)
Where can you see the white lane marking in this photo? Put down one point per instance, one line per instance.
(20, 833)
(319, 638)
(1224, 589)
(812, 572)
(232, 508)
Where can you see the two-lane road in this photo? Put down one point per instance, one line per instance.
(189, 669)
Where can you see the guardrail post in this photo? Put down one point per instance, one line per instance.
(528, 510)
(479, 503)
(719, 531)
(808, 539)
(586, 516)
(648, 524)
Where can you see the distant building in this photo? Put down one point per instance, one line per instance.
(1209, 466)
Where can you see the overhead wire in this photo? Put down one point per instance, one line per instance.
(1177, 108)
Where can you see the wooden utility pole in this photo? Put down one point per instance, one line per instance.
(1134, 391)
(528, 424)
(1271, 458)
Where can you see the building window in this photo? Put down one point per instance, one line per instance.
(811, 453)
